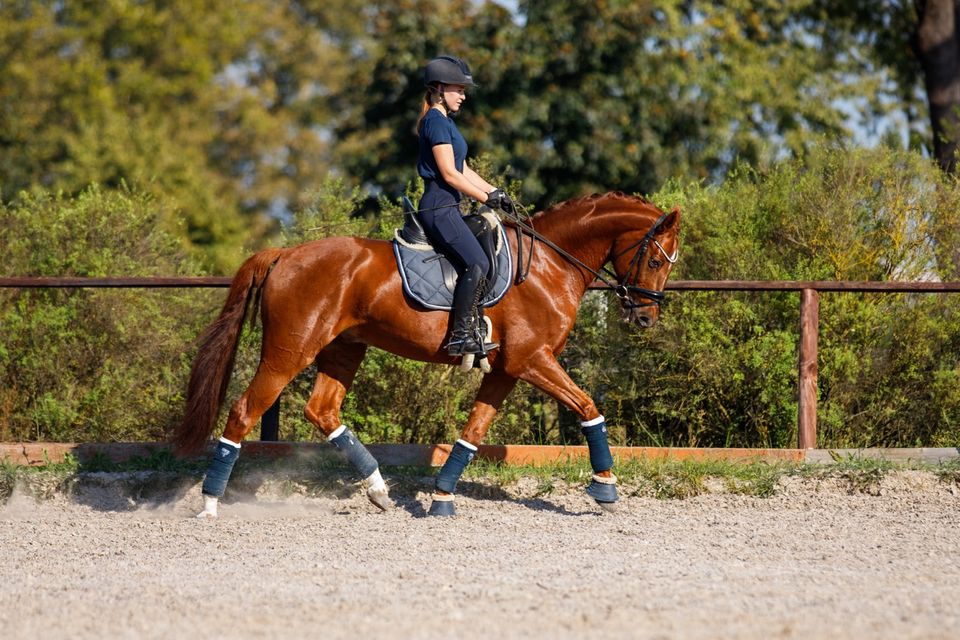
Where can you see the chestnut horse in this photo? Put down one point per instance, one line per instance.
(326, 301)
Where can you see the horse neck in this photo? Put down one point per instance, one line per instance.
(589, 231)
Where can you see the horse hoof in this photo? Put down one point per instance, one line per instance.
(485, 365)
(442, 508)
(604, 494)
(203, 515)
(608, 507)
(380, 499)
(466, 363)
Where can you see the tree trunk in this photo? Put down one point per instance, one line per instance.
(938, 49)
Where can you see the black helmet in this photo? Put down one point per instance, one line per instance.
(447, 70)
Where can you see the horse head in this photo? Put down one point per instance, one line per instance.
(642, 260)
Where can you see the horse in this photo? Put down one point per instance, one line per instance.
(326, 301)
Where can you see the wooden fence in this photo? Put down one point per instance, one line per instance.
(809, 321)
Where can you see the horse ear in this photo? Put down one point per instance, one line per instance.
(672, 220)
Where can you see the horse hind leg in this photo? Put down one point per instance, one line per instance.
(337, 365)
(263, 391)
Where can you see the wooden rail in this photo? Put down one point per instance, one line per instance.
(809, 321)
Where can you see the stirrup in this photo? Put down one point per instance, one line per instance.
(466, 346)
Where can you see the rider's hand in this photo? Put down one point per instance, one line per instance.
(499, 199)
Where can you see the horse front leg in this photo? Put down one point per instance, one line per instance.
(544, 372)
(494, 388)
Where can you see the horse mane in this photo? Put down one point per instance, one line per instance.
(562, 209)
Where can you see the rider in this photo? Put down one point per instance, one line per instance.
(442, 163)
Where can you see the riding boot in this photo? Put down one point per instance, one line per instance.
(465, 335)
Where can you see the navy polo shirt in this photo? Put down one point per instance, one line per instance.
(436, 128)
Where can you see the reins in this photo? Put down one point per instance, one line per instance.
(622, 291)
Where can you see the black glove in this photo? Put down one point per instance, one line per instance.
(498, 199)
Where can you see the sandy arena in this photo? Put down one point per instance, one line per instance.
(815, 561)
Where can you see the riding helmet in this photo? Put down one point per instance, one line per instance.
(447, 70)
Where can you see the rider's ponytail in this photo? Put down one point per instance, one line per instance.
(429, 98)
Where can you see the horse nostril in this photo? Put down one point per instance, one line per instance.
(644, 321)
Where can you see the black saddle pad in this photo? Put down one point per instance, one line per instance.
(429, 278)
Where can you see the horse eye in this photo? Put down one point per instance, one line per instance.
(654, 263)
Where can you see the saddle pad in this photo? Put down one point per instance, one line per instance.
(423, 280)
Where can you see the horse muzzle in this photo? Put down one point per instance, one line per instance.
(643, 317)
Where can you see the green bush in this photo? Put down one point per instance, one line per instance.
(92, 364)
(720, 369)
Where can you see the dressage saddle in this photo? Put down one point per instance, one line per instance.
(428, 276)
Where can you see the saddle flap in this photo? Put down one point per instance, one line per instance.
(429, 279)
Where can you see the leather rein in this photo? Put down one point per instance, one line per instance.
(622, 291)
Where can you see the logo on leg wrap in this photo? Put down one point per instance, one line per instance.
(221, 466)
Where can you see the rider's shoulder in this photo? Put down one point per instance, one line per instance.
(434, 116)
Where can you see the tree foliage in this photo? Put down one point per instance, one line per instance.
(93, 364)
(211, 105)
(580, 96)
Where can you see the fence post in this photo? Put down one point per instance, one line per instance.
(270, 423)
(807, 383)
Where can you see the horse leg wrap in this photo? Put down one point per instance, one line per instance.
(595, 431)
(450, 473)
(348, 444)
(221, 466)
(603, 490)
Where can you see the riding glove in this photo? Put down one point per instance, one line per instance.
(499, 199)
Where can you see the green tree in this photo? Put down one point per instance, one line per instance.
(577, 96)
(213, 105)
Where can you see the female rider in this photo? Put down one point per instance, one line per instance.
(442, 163)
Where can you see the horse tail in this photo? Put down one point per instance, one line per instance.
(210, 373)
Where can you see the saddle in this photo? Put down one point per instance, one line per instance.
(429, 278)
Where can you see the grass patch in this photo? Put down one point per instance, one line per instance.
(8, 479)
(661, 479)
(948, 471)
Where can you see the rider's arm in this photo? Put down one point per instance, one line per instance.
(443, 154)
(475, 178)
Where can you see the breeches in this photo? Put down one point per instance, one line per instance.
(449, 233)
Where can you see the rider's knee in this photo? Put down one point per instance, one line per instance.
(484, 264)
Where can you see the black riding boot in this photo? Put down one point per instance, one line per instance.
(465, 335)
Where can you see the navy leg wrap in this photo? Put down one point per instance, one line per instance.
(450, 473)
(218, 473)
(356, 453)
(600, 458)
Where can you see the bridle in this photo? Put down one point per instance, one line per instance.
(622, 291)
